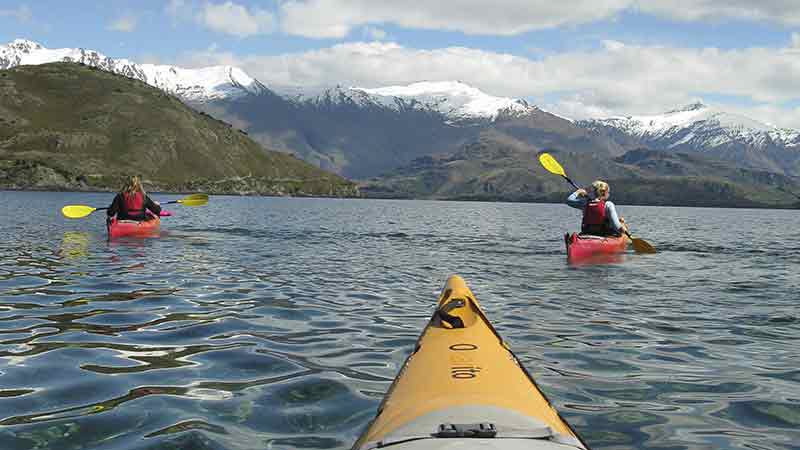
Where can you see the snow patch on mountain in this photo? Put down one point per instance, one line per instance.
(197, 85)
(454, 99)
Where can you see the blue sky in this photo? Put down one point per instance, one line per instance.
(582, 58)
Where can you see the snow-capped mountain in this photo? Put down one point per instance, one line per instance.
(700, 126)
(455, 100)
(703, 129)
(194, 85)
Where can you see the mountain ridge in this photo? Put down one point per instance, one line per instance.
(702, 129)
(203, 84)
(71, 126)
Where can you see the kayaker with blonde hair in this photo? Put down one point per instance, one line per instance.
(599, 214)
(133, 203)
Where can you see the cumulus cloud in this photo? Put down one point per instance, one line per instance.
(235, 19)
(785, 12)
(619, 79)
(337, 18)
(21, 13)
(125, 24)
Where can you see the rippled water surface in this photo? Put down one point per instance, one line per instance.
(280, 323)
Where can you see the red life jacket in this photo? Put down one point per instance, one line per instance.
(133, 205)
(594, 218)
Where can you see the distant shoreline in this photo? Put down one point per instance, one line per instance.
(368, 197)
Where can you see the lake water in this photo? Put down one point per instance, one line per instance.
(280, 323)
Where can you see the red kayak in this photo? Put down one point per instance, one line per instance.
(588, 248)
(119, 228)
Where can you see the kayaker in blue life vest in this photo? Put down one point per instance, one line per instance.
(599, 214)
(132, 203)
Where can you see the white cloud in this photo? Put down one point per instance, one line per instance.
(785, 12)
(125, 24)
(337, 18)
(235, 19)
(22, 13)
(619, 79)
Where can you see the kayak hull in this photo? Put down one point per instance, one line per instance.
(587, 248)
(463, 388)
(146, 228)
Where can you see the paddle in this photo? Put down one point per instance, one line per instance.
(79, 211)
(552, 166)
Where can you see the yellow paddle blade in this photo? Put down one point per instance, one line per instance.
(194, 200)
(76, 211)
(551, 164)
(642, 246)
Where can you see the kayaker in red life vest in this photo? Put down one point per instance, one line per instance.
(599, 214)
(132, 203)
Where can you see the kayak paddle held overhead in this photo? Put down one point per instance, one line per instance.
(80, 211)
(552, 166)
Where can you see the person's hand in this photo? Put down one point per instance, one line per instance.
(157, 203)
(582, 193)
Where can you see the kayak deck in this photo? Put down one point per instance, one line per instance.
(463, 383)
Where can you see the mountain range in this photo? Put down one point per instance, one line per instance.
(705, 130)
(375, 134)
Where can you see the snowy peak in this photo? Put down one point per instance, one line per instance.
(198, 85)
(696, 106)
(334, 96)
(24, 45)
(208, 83)
(454, 99)
(702, 125)
(710, 131)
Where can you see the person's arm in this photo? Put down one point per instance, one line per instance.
(578, 199)
(613, 218)
(114, 208)
(154, 207)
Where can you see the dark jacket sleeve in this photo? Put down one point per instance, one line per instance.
(113, 210)
(150, 205)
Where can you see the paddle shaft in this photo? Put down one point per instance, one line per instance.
(570, 182)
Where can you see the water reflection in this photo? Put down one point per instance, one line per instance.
(75, 244)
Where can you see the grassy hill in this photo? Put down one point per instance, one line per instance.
(69, 126)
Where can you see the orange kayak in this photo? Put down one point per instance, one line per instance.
(463, 388)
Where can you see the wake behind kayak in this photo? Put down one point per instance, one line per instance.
(464, 388)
